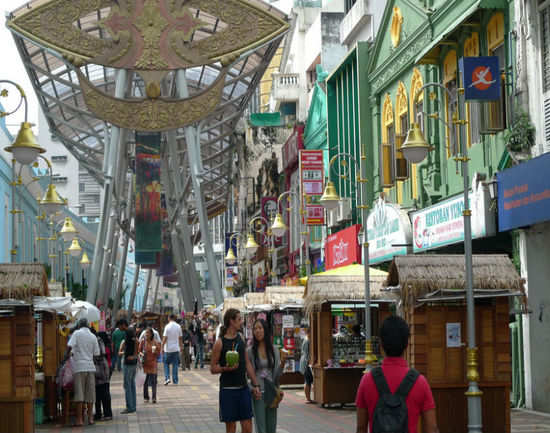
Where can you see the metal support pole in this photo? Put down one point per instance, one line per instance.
(107, 294)
(13, 251)
(179, 253)
(109, 158)
(133, 293)
(102, 289)
(472, 374)
(249, 276)
(156, 294)
(274, 276)
(146, 294)
(192, 139)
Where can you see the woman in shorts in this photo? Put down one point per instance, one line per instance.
(235, 398)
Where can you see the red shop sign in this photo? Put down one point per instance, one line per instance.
(342, 248)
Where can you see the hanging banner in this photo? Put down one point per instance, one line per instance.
(312, 175)
(481, 78)
(342, 248)
(148, 224)
(269, 210)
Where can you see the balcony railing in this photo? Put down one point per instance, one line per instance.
(286, 87)
(355, 19)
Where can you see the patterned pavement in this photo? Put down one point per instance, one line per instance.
(192, 406)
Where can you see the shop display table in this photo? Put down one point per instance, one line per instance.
(336, 385)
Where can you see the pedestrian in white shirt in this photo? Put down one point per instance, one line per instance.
(172, 343)
(83, 346)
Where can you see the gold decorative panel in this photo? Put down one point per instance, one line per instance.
(152, 114)
(150, 34)
(396, 24)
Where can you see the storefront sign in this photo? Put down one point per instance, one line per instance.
(288, 321)
(443, 223)
(312, 174)
(388, 230)
(524, 194)
(342, 248)
(481, 78)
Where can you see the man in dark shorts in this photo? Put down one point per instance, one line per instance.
(235, 398)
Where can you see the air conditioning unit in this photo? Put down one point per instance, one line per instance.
(332, 217)
(344, 210)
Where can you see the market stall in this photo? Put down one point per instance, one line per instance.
(334, 301)
(288, 323)
(255, 308)
(18, 284)
(432, 290)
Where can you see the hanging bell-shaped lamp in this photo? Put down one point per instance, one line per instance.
(85, 261)
(415, 148)
(25, 148)
(251, 244)
(75, 249)
(279, 227)
(68, 232)
(230, 257)
(52, 203)
(330, 198)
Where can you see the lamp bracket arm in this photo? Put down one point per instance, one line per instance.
(23, 99)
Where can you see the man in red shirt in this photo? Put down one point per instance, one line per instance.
(394, 336)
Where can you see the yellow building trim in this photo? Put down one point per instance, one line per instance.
(449, 74)
(387, 157)
(495, 31)
(417, 82)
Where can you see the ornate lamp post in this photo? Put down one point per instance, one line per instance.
(329, 200)
(279, 228)
(251, 244)
(84, 264)
(415, 149)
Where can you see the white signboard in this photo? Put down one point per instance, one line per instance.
(454, 338)
(389, 232)
(443, 223)
(288, 321)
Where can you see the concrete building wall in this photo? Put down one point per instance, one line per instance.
(332, 51)
(535, 251)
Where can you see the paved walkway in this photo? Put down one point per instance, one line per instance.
(192, 406)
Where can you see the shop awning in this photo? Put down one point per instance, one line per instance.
(422, 276)
(232, 302)
(57, 304)
(345, 284)
(430, 54)
(289, 296)
(265, 119)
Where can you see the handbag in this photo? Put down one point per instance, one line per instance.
(272, 394)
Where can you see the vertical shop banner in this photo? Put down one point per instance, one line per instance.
(312, 175)
(147, 198)
(342, 248)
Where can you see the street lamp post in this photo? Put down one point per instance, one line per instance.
(330, 200)
(251, 244)
(279, 228)
(415, 149)
(231, 258)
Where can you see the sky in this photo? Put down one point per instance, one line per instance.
(11, 68)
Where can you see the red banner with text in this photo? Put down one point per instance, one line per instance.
(342, 248)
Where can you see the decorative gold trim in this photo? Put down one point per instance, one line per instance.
(472, 373)
(396, 24)
(149, 34)
(152, 114)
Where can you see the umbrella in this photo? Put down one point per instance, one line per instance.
(85, 310)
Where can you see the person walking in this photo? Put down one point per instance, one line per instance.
(268, 368)
(186, 355)
(102, 377)
(129, 349)
(305, 367)
(171, 344)
(410, 391)
(235, 397)
(83, 347)
(118, 336)
(149, 350)
(199, 342)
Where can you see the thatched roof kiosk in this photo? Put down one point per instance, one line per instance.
(232, 302)
(253, 299)
(23, 281)
(442, 277)
(284, 295)
(344, 284)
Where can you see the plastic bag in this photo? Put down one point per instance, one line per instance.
(140, 376)
(67, 379)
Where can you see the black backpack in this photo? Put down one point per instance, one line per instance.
(391, 414)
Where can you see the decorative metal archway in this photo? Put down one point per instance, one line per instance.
(187, 68)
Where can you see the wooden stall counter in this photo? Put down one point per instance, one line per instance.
(336, 385)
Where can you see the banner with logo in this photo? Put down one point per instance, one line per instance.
(148, 223)
(342, 248)
(312, 175)
(481, 78)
